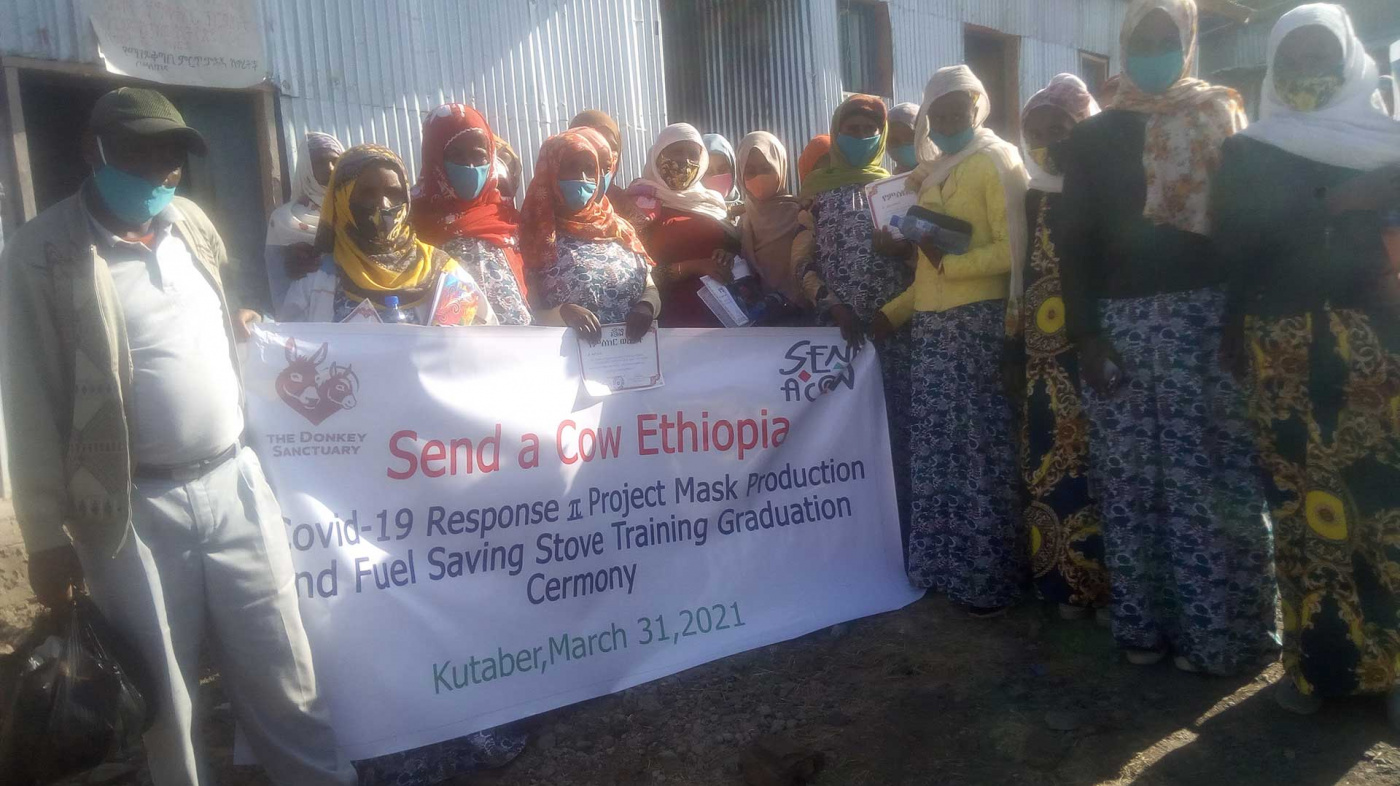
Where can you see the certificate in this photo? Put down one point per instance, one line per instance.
(890, 197)
(615, 366)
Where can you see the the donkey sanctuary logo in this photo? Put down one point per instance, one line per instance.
(316, 391)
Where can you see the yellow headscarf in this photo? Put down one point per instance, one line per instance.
(397, 263)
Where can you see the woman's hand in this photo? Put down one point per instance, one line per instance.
(880, 327)
(884, 243)
(243, 324)
(301, 261)
(1100, 365)
(719, 266)
(851, 330)
(582, 320)
(934, 254)
(639, 321)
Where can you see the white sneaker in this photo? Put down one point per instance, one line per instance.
(1139, 657)
(1184, 663)
(1290, 698)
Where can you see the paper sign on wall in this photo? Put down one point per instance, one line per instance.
(203, 43)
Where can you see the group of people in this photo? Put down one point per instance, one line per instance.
(1161, 387)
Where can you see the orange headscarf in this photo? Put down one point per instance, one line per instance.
(811, 154)
(541, 218)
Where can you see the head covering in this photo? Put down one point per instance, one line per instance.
(768, 226)
(1349, 130)
(694, 198)
(141, 111)
(935, 167)
(507, 158)
(840, 172)
(1069, 94)
(1186, 126)
(540, 219)
(716, 144)
(296, 221)
(439, 215)
(811, 154)
(396, 263)
(601, 122)
(906, 113)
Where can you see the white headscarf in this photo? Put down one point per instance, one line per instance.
(296, 221)
(694, 198)
(934, 167)
(1069, 94)
(716, 144)
(1350, 130)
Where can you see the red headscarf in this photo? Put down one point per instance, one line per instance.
(439, 214)
(540, 217)
(818, 147)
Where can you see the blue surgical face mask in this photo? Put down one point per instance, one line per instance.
(950, 144)
(1156, 73)
(858, 151)
(466, 181)
(905, 156)
(576, 193)
(131, 198)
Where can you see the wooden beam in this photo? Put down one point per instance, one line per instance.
(19, 145)
(269, 149)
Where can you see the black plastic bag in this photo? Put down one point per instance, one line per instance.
(73, 697)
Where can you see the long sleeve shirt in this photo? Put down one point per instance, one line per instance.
(973, 192)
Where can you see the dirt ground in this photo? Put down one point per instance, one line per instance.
(923, 695)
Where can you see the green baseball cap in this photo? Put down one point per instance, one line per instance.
(140, 111)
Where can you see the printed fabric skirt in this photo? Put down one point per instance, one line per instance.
(1326, 401)
(1186, 542)
(1066, 534)
(894, 371)
(444, 761)
(967, 539)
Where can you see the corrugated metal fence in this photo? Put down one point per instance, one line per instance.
(373, 69)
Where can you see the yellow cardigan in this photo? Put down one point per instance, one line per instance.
(973, 193)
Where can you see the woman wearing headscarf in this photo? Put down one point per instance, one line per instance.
(966, 539)
(457, 206)
(687, 230)
(370, 252)
(772, 236)
(1298, 208)
(291, 230)
(507, 170)
(590, 267)
(1066, 539)
(902, 150)
(853, 280)
(1185, 541)
(722, 176)
(612, 188)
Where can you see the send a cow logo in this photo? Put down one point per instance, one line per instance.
(811, 369)
(316, 393)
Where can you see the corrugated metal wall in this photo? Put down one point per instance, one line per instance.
(47, 30)
(372, 69)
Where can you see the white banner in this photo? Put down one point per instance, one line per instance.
(204, 43)
(478, 541)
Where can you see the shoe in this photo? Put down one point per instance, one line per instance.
(1392, 708)
(1140, 657)
(1104, 617)
(1068, 612)
(1290, 698)
(1184, 663)
(980, 613)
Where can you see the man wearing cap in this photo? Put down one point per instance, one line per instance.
(124, 411)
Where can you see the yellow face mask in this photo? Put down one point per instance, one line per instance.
(1310, 92)
(1042, 158)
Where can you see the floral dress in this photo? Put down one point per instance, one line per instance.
(488, 265)
(605, 278)
(1066, 537)
(858, 277)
